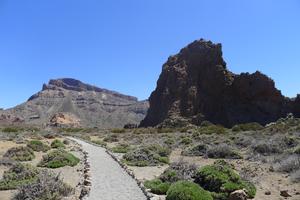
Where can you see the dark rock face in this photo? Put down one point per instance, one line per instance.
(195, 85)
(79, 104)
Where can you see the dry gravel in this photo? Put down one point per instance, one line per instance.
(109, 180)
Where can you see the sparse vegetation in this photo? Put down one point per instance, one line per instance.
(147, 156)
(20, 153)
(100, 143)
(184, 190)
(57, 144)
(18, 175)
(111, 138)
(118, 130)
(223, 151)
(178, 171)
(198, 150)
(37, 145)
(45, 187)
(58, 158)
(247, 127)
(121, 148)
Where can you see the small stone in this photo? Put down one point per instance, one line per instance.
(238, 195)
(267, 193)
(284, 193)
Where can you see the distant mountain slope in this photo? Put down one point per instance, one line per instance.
(90, 105)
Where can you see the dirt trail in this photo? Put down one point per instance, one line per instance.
(109, 180)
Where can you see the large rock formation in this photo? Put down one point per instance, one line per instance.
(195, 85)
(75, 103)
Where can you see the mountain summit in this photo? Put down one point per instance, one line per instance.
(195, 85)
(75, 103)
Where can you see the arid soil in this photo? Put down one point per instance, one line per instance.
(70, 175)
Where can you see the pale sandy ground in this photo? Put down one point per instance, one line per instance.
(70, 175)
(109, 180)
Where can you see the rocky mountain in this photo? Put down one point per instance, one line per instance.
(195, 85)
(71, 102)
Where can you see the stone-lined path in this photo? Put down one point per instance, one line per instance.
(109, 179)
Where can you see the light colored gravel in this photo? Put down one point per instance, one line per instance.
(109, 180)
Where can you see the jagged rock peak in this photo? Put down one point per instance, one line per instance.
(76, 85)
(195, 85)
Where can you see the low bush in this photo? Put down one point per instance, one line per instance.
(20, 153)
(184, 190)
(178, 171)
(156, 186)
(11, 130)
(58, 158)
(111, 138)
(186, 141)
(267, 148)
(118, 130)
(295, 176)
(57, 144)
(66, 142)
(100, 142)
(288, 163)
(18, 175)
(198, 150)
(221, 179)
(169, 141)
(211, 129)
(223, 151)
(38, 146)
(297, 150)
(147, 156)
(46, 187)
(254, 126)
(121, 148)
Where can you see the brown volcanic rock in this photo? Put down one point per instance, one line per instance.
(195, 85)
(86, 104)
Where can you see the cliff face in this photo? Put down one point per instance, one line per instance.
(79, 104)
(195, 85)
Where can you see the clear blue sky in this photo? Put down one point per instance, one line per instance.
(121, 45)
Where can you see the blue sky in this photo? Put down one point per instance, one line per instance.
(121, 45)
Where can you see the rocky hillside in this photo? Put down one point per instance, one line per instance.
(71, 102)
(195, 85)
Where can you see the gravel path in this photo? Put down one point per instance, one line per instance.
(109, 180)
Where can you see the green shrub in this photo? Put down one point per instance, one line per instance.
(100, 142)
(147, 156)
(57, 144)
(297, 150)
(254, 126)
(20, 153)
(58, 158)
(111, 138)
(169, 141)
(18, 175)
(186, 141)
(11, 130)
(218, 129)
(184, 190)
(221, 178)
(118, 130)
(121, 148)
(156, 186)
(37, 145)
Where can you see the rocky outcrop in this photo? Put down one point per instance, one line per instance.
(70, 102)
(195, 85)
